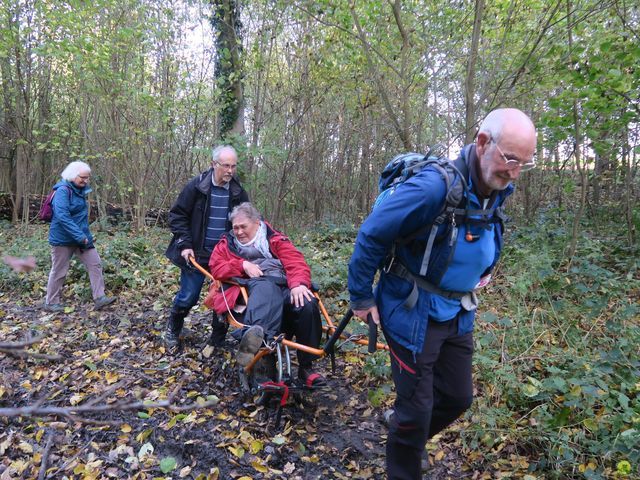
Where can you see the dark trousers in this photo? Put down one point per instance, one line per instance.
(270, 307)
(432, 390)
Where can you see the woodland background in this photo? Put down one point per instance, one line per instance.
(318, 96)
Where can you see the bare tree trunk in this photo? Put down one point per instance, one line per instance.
(469, 84)
(580, 166)
(381, 88)
(629, 194)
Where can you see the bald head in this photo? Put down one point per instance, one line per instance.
(508, 122)
(505, 134)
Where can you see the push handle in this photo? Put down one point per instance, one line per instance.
(373, 334)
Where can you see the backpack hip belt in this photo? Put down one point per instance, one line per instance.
(399, 270)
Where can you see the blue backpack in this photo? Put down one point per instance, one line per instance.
(406, 165)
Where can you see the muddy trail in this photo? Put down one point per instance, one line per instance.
(115, 357)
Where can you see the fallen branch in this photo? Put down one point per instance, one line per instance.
(45, 457)
(17, 349)
(71, 413)
(27, 354)
(20, 345)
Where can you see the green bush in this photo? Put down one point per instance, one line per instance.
(557, 357)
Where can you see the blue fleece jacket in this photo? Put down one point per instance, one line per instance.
(70, 222)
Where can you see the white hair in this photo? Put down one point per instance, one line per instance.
(74, 169)
(215, 155)
(247, 209)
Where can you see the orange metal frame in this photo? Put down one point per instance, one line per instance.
(329, 327)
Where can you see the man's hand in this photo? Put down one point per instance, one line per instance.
(373, 311)
(298, 295)
(186, 253)
(251, 269)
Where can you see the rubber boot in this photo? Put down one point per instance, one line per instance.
(219, 329)
(174, 327)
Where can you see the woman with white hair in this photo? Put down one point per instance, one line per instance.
(69, 235)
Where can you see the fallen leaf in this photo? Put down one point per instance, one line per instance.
(168, 464)
(146, 449)
(237, 451)
(259, 466)
(256, 446)
(25, 447)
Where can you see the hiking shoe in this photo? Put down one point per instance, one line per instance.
(249, 345)
(103, 301)
(171, 339)
(311, 379)
(53, 307)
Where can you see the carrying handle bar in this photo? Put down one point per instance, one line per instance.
(328, 348)
(373, 334)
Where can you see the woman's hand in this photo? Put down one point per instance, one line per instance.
(299, 294)
(251, 269)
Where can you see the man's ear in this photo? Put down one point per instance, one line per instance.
(482, 142)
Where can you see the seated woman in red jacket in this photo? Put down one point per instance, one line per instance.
(279, 282)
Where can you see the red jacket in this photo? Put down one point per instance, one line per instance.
(225, 263)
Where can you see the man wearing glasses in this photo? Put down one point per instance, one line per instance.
(428, 318)
(197, 220)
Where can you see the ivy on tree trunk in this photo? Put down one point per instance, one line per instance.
(225, 21)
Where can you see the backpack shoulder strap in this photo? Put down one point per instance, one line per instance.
(454, 197)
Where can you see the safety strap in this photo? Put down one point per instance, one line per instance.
(401, 271)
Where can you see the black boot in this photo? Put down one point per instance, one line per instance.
(174, 327)
(219, 329)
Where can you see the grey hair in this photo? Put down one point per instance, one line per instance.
(74, 169)
(248, 210)
(215, 155)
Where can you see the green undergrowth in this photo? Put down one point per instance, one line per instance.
(557, 355)
(133, 264)
(557, 339)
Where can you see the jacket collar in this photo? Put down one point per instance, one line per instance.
(204, 185)
(206, 180)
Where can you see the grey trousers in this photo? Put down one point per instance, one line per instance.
(60, 260)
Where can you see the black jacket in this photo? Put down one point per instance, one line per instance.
(190, 213)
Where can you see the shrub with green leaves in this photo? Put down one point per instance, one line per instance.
(558, 364)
